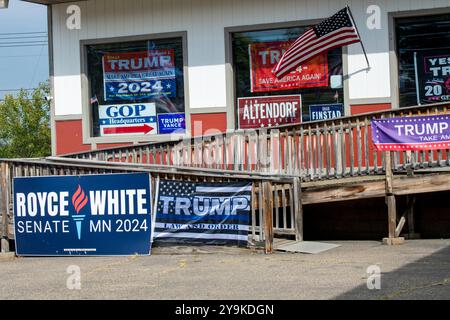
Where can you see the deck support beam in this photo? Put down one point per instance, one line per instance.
(391, 203)
(298, 209)
(268, 216)
(4, 206)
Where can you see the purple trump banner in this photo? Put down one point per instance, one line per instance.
(411, 133)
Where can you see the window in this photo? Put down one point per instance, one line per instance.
(136, 88)
(423, 50)
(315, 89)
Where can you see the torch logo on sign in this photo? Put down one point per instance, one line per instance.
(79, 200)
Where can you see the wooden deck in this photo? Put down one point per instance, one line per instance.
(290, 167)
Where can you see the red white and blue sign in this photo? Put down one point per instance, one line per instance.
(171, 123)
(127, 119)
(202, 213)
(411, 133)
(325, 111)
(139, 75)
(107, 214)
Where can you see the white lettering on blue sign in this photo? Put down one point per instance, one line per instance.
(202, 205)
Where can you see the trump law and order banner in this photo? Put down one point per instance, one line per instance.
(432, 76)
(107, 214)
(264, 57)
(258, 112)
(202, 213)
(139, 75)
(411, 133)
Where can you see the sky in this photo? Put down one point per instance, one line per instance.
(23, 66)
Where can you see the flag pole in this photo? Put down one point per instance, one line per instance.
(357, 31)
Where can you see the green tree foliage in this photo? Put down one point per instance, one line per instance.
(25, 124)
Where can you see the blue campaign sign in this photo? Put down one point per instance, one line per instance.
(325, 111)
(171, 122)
(202, 213)
(138, 90)
(106, 214)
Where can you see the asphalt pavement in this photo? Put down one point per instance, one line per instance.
(418, 269)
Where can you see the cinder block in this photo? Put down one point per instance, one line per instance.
(393, 241)
(7, 256)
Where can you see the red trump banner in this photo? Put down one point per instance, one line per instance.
(259, 112)
(263, 58)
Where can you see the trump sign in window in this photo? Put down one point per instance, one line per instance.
(136, 87)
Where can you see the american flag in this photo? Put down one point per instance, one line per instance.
(336, 31)
(202, 213)
(94, 99)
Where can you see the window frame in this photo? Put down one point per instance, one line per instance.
(88, 137)
(229, 64)
(393, 49)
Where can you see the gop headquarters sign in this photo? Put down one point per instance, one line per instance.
(82, 215)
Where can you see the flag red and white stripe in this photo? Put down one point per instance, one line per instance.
(336, 31)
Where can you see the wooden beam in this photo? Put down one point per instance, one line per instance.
(392, 215)
(298, 209)
(268, 216)
(421, 184)
(4, 207)
(345, 192)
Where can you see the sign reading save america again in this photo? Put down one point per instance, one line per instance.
(411, 133)
(258, 112)
(107, 214)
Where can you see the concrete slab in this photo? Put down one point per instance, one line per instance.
(311, 247)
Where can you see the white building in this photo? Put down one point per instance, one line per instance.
(203, 56)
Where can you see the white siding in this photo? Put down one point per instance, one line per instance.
(204, 21)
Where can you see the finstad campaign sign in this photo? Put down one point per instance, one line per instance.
(107, 214)
(206, 213)
(325, 111)
(411, 133)
(258, 112)
(264, 57)
(139, 75)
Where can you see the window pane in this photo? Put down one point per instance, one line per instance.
(419, 39)
(256, 52)
(136, 84)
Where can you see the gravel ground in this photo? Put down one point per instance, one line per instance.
(419, 269)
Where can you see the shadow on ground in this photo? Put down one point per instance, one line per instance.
(427, 278)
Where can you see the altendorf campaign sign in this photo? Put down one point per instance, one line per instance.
(202, 213)
(127, 119)
(411, 133)
(263, 58)
(139, 75)
(107, 214)
(258, 112)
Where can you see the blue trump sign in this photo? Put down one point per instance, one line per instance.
(171, 122)
(326, 111)
(82, 215)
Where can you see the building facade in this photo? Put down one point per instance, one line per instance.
(149, 70)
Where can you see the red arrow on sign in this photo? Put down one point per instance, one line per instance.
(122, 130)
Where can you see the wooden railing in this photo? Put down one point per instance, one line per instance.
(276, 206)
(313, 151)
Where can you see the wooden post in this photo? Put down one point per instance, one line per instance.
(4, 206)
(298, 209)
(391, 203)
(268, 216)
